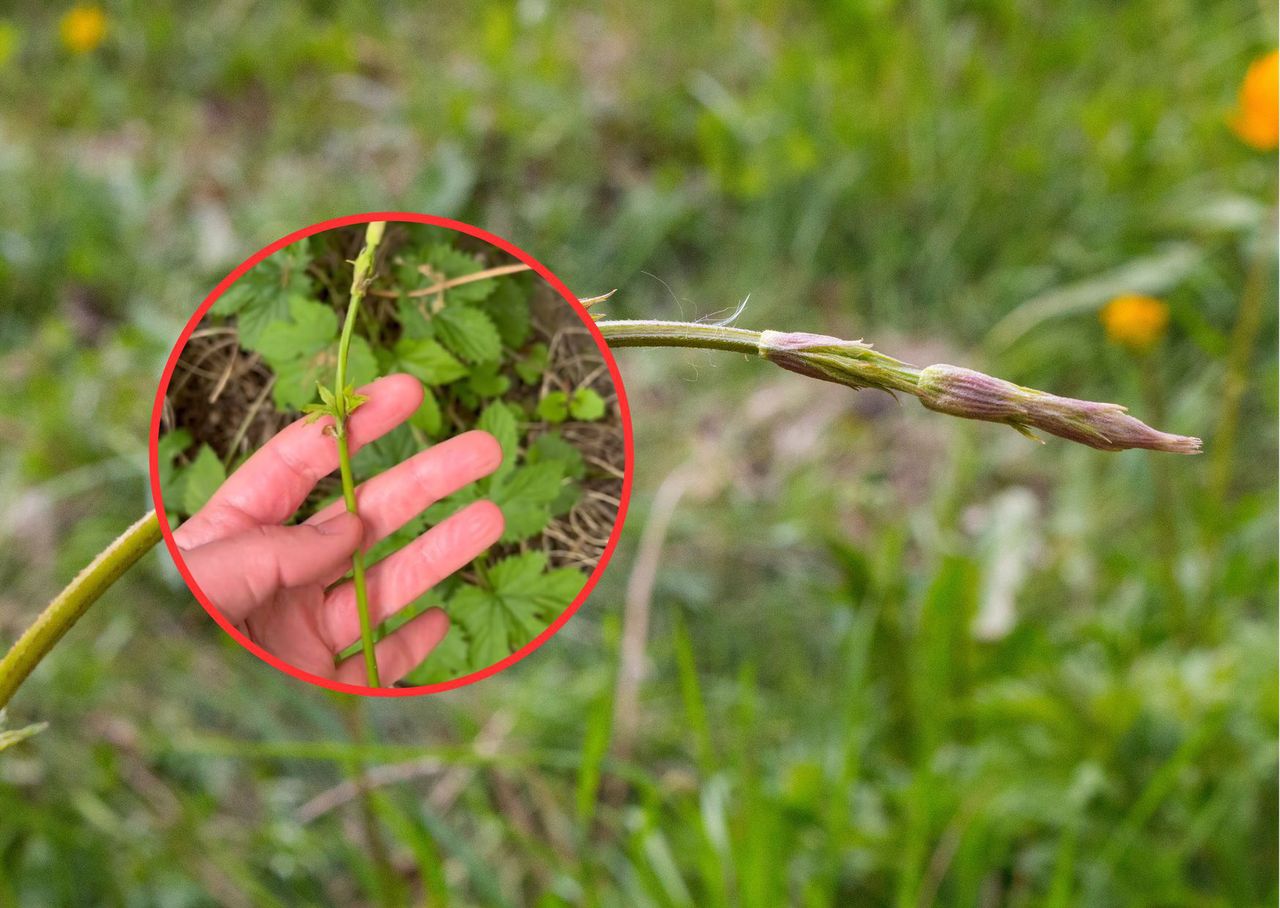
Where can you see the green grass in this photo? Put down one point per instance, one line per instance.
(967, 182)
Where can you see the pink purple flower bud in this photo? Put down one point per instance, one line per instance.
(1108, 427)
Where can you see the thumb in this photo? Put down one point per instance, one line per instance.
(243, 572)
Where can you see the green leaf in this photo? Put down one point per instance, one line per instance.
(351, 401)
(524, 597)
(483, 617)
(533, 364)
(306, 328)
(414, 314)
(426, 360)
(552, 446)
(169, 447)
(200, 479)
(487, 381)
(469, 333)
(508, 307)
(450, 262)
(498, 420)
(362, 365)
(586, 405)
(296, 378)
(554, 408)
(395, 447)
(525, 497)
(427, 417)
(261, 295)
(449, 660)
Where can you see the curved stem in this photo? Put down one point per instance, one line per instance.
(363, 272)
(67, 607)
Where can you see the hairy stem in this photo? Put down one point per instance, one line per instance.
(362, 274)
(943, 388)
(74, 601)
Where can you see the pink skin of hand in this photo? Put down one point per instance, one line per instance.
(276, 582)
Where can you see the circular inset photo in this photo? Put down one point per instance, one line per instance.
(391, 454)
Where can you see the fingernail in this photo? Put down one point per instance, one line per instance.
(341, 525)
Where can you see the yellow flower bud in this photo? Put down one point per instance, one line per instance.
(1135, 321)
(1256, 120)
(83, 28)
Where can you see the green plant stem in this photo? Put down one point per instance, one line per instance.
(67, 607)
(651, 333)
(363, 272)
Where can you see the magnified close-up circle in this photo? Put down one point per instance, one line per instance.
(391, 454)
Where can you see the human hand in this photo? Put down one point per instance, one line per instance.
(273, 581)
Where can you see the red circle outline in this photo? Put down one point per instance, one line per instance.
(433, 220)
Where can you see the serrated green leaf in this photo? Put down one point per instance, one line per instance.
(487, 381)
(383, 453)
(468, 333)
(414, 315)
(508, 307)
(352, 400)
(554, 407)
(427, 417)
(426, 360)
(362, 365)
(451, 262)
(200, 479)
(537, 482)
(552, 446)
(498, 420)
(306, 328)
(486, 624)
(317, 412)
(568, 496)
(586, 405)
(512, 576)
(525, 497)
(261, 295)
(524, 597)
(532, 365)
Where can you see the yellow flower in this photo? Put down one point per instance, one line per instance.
(1135, 321)
(1256, 120)
(83, 28)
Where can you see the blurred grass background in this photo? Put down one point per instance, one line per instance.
(849, 652)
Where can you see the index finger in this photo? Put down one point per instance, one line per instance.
(272, 483)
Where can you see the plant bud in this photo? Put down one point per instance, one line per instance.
(845, 362)
(1107, 427)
